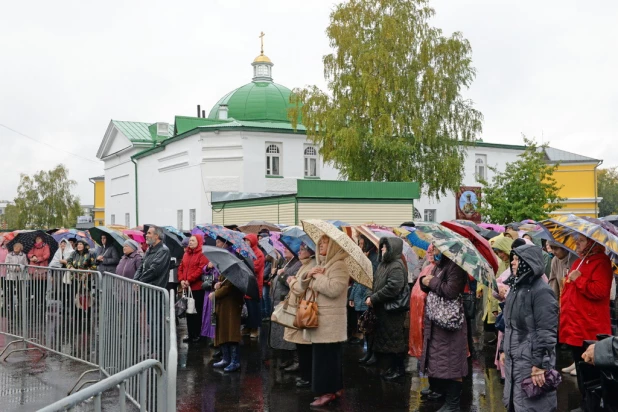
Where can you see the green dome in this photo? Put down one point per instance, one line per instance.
(256, 101)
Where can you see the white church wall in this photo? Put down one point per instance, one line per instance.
(445, 208)
(170, 185)
(120, 189)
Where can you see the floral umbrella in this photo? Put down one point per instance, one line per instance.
(73, 234)
(460, 250)
(275, 239)
(28, 237)
(564, 230)
(236, 239)
(359, 266)
(480, 243)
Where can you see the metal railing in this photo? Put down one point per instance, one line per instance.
(106, 321)
(139, 372)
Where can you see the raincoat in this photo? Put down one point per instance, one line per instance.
(42, 253)
(584, 302)
(192, 265)
(417, 315)
(61, 255)
(110, 258)
(228, 307)
(490, 303)
(531, 319)
(258, 262)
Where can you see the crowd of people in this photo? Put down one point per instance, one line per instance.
(546, 296)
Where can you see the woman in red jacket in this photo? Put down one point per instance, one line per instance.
(585, 298)
(254, 308)
(190, 276)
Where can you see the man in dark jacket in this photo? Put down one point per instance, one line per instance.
(603, 354)
(156, 263)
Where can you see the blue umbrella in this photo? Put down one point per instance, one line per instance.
(68, 235)
(338, 223)
(293, 237)
(175, 231)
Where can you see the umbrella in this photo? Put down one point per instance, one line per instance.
(171, 241)
(540, 234)
(136, 235)
(236, 239)
(268, 248)
(116, 238)
(338, 223)
(256, 225)
(410, 258)
(293, 236)
(528, 221)
(529, 227)
(491, 226)
(68, 235)
(469, 223)
(564, 229)
(460, 250)
(27, 238)
(359, 266)
(234, 270)
(180, 235)
(613, 219)
(275, 239)
(480, 243)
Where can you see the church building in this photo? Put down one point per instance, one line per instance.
(166, 173)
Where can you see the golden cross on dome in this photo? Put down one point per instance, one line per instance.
(262, 41)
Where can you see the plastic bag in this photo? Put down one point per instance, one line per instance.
(181, 307)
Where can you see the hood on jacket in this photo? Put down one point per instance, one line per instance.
(502, 243)
(334, 253)
(253, 240)
(198, 248)
(394, 248)
(533, 256)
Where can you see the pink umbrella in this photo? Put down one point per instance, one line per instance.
(135, 235)
(491, 226)
(274, 238)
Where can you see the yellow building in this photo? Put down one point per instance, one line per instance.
(98, 218)
(578, 177)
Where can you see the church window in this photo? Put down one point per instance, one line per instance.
(430, 215)
(311, 161)
(113, 220)
(262, 70)
(127, 219)
(191, 218)
(273, 159)
(480, 167)
(179, 219)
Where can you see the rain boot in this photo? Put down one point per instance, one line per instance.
(225, 360)
(453, 397)
(235, 359)
(368, 354)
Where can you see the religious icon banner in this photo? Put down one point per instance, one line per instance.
(468, 200)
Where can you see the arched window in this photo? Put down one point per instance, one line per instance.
(480, 167)
(311, 161)
(273, 159)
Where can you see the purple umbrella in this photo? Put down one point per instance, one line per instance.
(236, 239)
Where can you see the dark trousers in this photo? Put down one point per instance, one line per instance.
(194, 321)
(327, 368)
(305, 360)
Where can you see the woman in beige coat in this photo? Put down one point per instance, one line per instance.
(329, 280)
(303, 347)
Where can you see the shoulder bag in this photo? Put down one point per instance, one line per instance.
(285, 314)
(445, 313)
(307, 312)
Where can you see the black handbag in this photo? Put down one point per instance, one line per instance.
(469, 304)
(367, 322)
(207, 281)
(402, 303)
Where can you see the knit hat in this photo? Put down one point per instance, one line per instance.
(132, 244)
(185, 242)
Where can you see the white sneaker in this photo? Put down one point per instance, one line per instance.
(569, 369)
(573, 372)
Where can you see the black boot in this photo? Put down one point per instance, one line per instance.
(453, 397)
(372, 360)
(365, 358)
(398, 368)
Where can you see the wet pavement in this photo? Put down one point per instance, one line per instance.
(262, 386)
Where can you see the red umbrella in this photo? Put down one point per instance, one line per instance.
(479, 242)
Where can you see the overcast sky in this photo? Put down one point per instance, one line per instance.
(546, 69)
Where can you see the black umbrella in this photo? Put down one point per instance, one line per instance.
(114, 238)
(489, 234)
(27, 241)
(171, 241)
(234, 270)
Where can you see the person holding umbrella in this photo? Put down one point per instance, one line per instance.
(253, 306)
(108, 257)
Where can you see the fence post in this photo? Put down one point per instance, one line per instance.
(172, 359)
(23, 284)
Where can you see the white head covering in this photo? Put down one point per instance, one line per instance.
(61, 255)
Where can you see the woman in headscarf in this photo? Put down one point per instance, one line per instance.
(254, 310)
(585, 298)
(303, 347)
(358, 296)
(329, 281)
(62, 255)
(190, 277)
(445, 352)
(279, 291)
(389, 283)
(131, 259)
(502, 248)
(531, 323)
(15, 275)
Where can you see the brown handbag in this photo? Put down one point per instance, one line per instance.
(307, 313)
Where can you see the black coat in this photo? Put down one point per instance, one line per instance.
(531, 333)
(388, 283)
(155, 266)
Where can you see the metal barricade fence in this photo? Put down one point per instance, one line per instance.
(135, 326)
(50, 309)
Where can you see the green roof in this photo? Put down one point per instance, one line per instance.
(256, 101)
(137, 132)
(184, 124)
(342, 189)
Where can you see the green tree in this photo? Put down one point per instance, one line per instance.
(45, 200)
(607, 188)
(10, 218)
(526, 189)
(394, 109)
